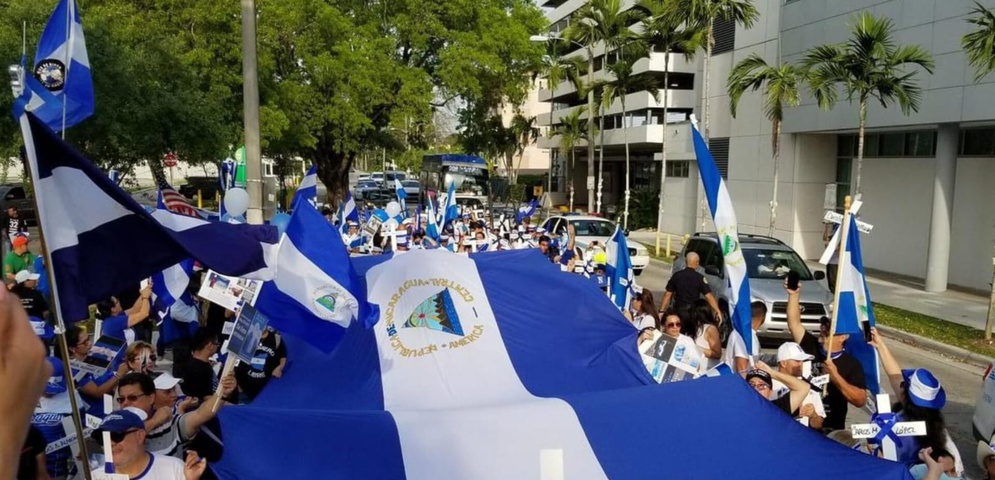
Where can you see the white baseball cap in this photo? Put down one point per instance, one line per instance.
(25, 275)
(166, 381)
(792, 351)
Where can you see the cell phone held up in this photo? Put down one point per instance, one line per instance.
(793, 279)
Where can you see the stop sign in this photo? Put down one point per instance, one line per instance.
(169, 160)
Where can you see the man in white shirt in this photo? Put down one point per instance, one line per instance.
(735, 355)
(790, 360)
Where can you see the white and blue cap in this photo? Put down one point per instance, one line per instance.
(121, 421)
(57, 381)
(402, 240)
(924, 389)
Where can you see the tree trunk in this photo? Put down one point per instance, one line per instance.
(601, 157)
(663, 162)
(333, 170)
(628, 179)
(570, 175)
(776, 146)
(860, 146)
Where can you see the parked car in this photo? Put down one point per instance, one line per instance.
(363, 187)
(983, 421)
(411, 187)
(768, 261)
(208, 187)
(590, 228)
(14, 195)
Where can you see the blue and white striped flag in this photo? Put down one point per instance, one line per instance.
(431, 220)
(86, 217)
(308, 189)
(63, 67)
(619, 270)
(401, 195)
(315, 293)
(172, 303)
(450, 211)
(347, 212)
(718, 371)
(855, 308)
(726, 227)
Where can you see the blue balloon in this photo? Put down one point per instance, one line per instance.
(280, 221)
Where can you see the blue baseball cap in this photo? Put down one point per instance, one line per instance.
(120, 421)
(57, 381)
(924, 389)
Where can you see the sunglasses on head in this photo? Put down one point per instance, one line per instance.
(117, 437)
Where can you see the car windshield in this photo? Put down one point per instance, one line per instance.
(367, 184)
(774, 264)
(410, 183)
(593, 228)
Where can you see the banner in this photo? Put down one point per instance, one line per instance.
(228, 291)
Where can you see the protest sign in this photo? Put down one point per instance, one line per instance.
(102, 354)
(228, 291)
(670, 359)
(247, 333)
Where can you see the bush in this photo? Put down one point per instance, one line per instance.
(643, 209)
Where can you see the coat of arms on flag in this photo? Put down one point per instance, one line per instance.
(436, 313)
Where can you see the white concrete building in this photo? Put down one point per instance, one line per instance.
(926, 178)
(534, 159)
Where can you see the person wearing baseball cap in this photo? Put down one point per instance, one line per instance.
(790, 360)
(26, 288)
(19, 258)
(762, 378)
(127, 434)
(921, 397)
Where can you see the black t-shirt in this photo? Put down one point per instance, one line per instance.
(784, 403)
(34, 445)
(13, 225)
(253, 377)
(851, 371)
(687, 286)
(32, 300)
(198, 378)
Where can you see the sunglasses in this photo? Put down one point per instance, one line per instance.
(131, 398)
(673, 325)
(117, 437)
(760, 386)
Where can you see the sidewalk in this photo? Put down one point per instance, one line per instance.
(955, 306)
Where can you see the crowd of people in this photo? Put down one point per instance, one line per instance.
(161, 417)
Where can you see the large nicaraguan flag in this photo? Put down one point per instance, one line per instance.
(87, 219)
(63, 67)
(724, 218)
(308, 189)
(315, 293)
(461, 379)
(619, 270)
(854, 308)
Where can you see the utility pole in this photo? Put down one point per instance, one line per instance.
(250, 96)
(590, 127)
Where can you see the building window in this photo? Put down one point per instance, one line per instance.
(724, 32)
(643, 175)
(843, 166)
(977, 142)
(720, 152)
(679, 169)
(908, 144)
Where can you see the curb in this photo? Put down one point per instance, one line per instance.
(955, 353)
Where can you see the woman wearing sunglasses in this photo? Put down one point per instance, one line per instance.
(643, 313)
(921, 398)
(141, 357)
(92, 388)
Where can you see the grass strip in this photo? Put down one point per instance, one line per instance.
(968, 338)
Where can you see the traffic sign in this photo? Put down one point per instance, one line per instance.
(169, 159)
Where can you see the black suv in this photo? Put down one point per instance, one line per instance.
(14, 195)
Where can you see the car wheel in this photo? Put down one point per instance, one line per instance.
(638, 271)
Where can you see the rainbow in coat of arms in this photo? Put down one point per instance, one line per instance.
(436, 312)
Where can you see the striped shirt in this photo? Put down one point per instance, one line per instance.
(166, 439)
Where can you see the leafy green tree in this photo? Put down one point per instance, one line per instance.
(868, 66)
(980, 43)
(781, 86)
(572, 130)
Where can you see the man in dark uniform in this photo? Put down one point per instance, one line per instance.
(687, 286)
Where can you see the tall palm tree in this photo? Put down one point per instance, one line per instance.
(980, 44)
(869, 65)
(524, 132)
(663, 30)
(780, 84)
(572, 130)
(705, 13)
(624, 81)
(606, 22)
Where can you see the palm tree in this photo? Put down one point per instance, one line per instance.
(623, 82)
(606, 22)
(524, 132)
(571, 130)
(705, 13)
(980, 44)
(781, 89)
(869, 65)
(664, 31)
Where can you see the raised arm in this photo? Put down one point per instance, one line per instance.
(798, 388)
(888, 362)
(794, 313)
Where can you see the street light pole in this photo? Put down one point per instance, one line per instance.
(590, 127)
(250, 102)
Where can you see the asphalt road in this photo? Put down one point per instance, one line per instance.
(961, 381)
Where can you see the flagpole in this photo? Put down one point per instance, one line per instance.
(70, 5)
(60, 329)
(844, 232)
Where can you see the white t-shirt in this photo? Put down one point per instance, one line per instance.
(813, 398)
(737, 348)
(643, 320)
(162, 468)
